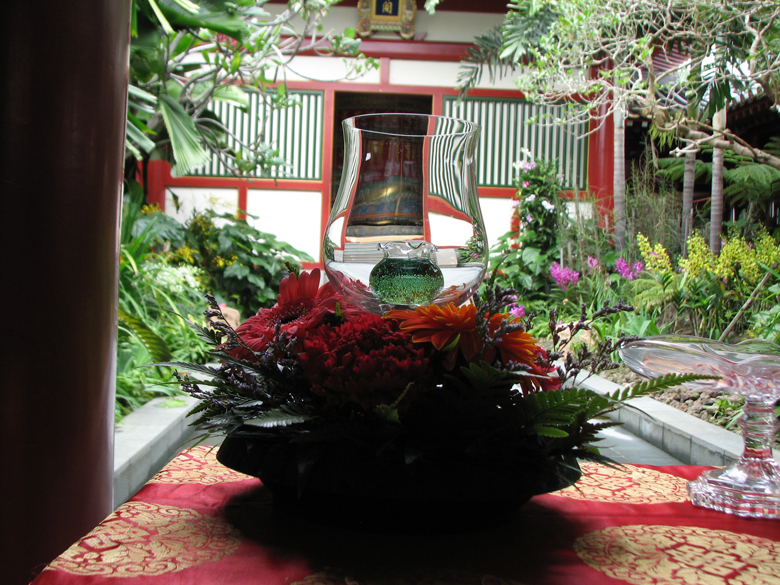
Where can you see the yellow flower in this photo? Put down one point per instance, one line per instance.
(700, 257)
(767, 249)
(150, 209)
(737, 253)
(656, 258)
(186, 253)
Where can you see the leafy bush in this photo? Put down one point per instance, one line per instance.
(706, 292)
(165, 269)
(153, 299)
(526, 252)
(243, 266)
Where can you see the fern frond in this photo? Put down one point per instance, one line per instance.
(655, 384)
(555, 409)
(279, 417)
(206, 334)
(188, 367)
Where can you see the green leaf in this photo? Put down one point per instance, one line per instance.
(231, 93)
(155, 345)
(654, 385)
(174, 403)
(136, 135)
(213, 15)
(188, 150)
(387, 412)
(161, 17)
(139, 93)
(281, 417)
(530, 255)
(550, 432)
(236, 270)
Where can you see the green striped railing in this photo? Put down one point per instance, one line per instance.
(295, 131)
(505, 133)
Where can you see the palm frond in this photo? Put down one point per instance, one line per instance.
(186, 141)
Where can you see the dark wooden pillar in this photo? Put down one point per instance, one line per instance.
(63, 87)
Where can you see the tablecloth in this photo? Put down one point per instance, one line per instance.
(198, 522)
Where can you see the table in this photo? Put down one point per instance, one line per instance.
(198, 522)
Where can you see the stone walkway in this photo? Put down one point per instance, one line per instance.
(623, 447)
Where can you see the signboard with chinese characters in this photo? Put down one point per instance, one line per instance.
(387, 16)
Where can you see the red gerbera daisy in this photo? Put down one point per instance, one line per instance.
(302, 304)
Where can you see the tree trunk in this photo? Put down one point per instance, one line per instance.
(619, 181)
(689, 179)
(716, 210)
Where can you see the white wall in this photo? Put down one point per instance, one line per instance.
(199, 198)
(497, 214)
(445, 27)
(292, 216)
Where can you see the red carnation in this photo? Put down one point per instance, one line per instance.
(365, 360)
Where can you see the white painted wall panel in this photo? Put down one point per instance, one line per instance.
(191, 199)
(497, 214)
(446, 27)
(311, 68)
(292, 216)
(438, 74)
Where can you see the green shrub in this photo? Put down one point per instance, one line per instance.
(243, 266)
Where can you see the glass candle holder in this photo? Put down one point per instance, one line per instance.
(406, 227)
(750, 487)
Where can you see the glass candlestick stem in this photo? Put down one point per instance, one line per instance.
(751, 487)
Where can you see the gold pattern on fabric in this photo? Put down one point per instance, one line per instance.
(144, 539)
(197, 465)
(626, 485)
(335, 577)
(667, 555)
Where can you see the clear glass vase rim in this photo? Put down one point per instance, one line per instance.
(471, 127)
(709, 348)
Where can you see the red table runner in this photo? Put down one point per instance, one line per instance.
(197, 522)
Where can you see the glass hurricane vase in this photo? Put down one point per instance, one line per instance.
(406, 227)
(751, 486)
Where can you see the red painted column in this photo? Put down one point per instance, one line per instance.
(63, 88)
(156, 175)
(601, 166)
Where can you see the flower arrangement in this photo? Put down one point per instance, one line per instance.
(435, 401)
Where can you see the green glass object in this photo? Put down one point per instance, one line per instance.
(407, 275)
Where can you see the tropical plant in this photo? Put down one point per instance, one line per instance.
(155, 298)
(242, 265)
(183, 56)
(750, 186)
(732, 47)
(654, 210)
(527, 251)
(765, 324)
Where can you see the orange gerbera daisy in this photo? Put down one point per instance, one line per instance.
(442, 325)
(516, 346)
(445, 325)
